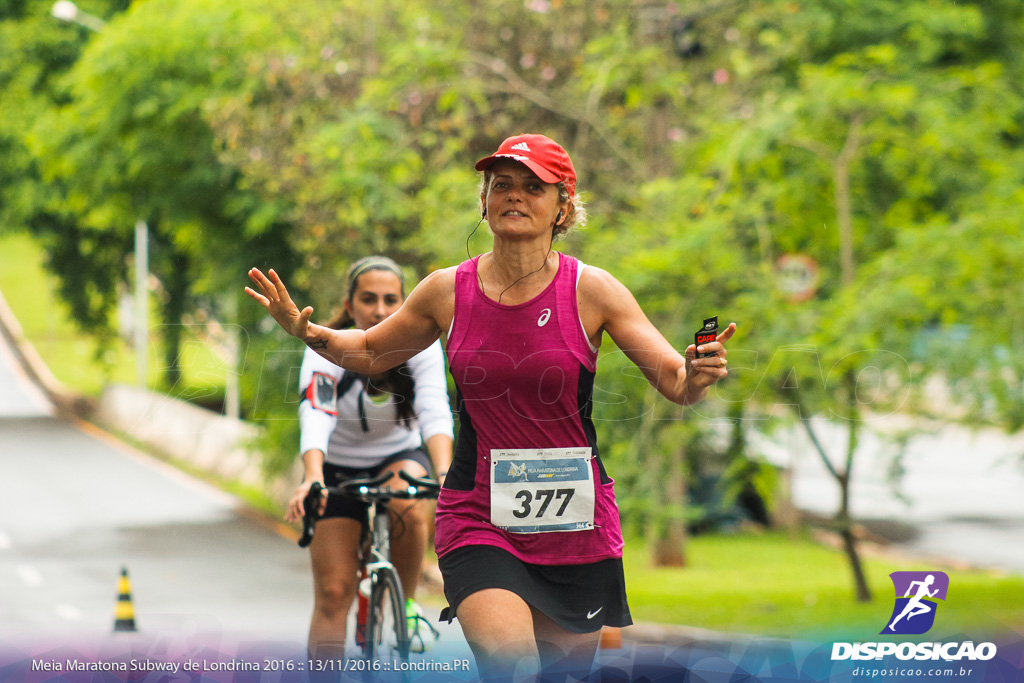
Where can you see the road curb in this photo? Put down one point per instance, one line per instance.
(63, 399)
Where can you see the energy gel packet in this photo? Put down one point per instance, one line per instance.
(706, 334)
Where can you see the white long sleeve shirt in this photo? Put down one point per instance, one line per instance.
(341, 437)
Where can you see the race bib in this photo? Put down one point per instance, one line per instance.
(538, 490)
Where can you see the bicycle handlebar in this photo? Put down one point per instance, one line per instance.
(368, 490)
(428, 485)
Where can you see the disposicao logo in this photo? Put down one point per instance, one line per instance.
(916, 595)
(913, 614)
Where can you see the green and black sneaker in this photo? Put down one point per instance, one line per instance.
(422, 635)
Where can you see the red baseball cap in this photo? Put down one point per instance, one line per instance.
(540, 154)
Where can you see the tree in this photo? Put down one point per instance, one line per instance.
(36, 52)
(131, 142)
(855, 155)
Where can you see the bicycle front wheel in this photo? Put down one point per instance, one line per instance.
(387, 630)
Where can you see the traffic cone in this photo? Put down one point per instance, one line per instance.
(124, 613)
(611, 638)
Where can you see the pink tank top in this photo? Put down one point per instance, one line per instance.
(525, 378)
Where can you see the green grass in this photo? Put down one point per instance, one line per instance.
(776, 585)
(72, 355)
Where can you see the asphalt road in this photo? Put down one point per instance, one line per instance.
(78, 506)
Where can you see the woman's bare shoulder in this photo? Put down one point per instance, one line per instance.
(441, 277)
(598, 287)
(434, 296)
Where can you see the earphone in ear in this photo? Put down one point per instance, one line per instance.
(558, 218)
(483, 213)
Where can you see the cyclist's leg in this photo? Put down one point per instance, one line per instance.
(410, 528)
(499, 626)
(335, 558)
(557, 645)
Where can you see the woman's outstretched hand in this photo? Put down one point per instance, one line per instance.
(700, 373)
(273, 296)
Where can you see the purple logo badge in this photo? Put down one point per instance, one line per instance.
(916, 593)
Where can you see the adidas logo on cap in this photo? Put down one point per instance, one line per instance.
(541, 154)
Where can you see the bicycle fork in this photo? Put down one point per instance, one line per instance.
(362, 607)
(363, 598)
(381, 538)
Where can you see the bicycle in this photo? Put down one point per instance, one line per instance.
(381, 626)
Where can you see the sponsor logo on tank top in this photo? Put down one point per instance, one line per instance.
(545, 315)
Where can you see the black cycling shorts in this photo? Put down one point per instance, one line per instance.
(578, 597)
(343, 506)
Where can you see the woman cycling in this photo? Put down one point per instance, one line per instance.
(532, 571)
(358, 426)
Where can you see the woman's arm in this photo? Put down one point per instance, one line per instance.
(433, 408)
(606, 305)
(314, 471)
(318, 381)
(414, 327)
(439, 448)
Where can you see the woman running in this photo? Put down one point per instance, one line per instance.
(527, 528)
(357, 426)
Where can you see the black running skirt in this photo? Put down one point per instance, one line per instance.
(578, 597)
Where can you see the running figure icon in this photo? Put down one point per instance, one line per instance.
(518, 471)
(915, 605)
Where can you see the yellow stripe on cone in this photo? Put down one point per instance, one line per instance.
(124, 612)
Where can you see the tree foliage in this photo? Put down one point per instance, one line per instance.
(853, 150)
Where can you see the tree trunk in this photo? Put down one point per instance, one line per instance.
(843, 523)
(845, 526)
(850, 548)
(177, 288)
(843, 516)
(844, 208)
(786, 516)
(669, 547)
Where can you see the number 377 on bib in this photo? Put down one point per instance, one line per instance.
(539, 490)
